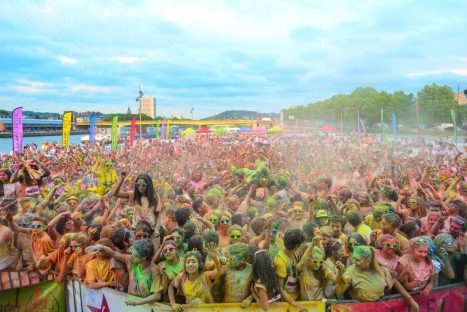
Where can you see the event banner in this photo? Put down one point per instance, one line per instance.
(92, 130)
(66, 129)
(440, 300)
(133, 130)
(17, 123)
(48, 296)
(114, 133)
(81, 298)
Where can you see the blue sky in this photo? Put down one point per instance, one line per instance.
(217, 55)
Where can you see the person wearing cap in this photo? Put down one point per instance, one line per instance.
(322, 217)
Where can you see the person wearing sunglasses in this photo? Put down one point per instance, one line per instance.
(366, 280)
(236, 234)
(41, 243)
(416, 207)
(170, 267)
(78, 259)
(390, 225)
(60, 256)
(107, 176)
(312, 273)
(386, 255)
(143, 197)
(223, 229)
(238, 275)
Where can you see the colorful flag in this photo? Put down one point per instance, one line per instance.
(17, 122)
(92, 129)
(114, 133)
(133, 130)
(66, 129)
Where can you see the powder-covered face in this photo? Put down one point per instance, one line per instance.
(361, 262)
(316, 259)
(389, 246)
(336, 228)
(236, 237)
(224, 222)
(169, 251)
(433, 218)
(420, 252)
(3, 177)
(298, 212)
(413, 203)
(37, 227)
(191, 264)
(177, 238)
(137, 257)
(455, 230)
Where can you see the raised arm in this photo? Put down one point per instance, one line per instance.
(116, 191)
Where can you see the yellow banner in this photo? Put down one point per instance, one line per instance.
(66, 129)
(318, 306)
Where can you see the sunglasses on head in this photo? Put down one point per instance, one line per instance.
(224, 221)
(389, 245)
(141, 185)
(235, 236)
(37, 226)
(168, 249)
(142, 236)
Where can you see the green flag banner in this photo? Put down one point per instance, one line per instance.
(114, 133)
(48, 296)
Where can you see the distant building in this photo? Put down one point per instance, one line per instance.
(461, 99)
(148, 107)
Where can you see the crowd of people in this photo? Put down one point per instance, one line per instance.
(239, 218)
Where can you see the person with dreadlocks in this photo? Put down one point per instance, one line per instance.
(368, 280)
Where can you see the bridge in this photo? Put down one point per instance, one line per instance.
(194, 123)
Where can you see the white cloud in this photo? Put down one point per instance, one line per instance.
(89, 88)
(29, 87)
(457, 71)
(127, 59)
(67, 60)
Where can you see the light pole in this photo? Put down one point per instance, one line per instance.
(138, 98)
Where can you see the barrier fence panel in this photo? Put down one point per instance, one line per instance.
(450, 298)
(48, 296)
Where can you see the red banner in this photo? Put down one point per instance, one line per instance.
(133, 131)
(444, 299)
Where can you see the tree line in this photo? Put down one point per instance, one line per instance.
(435, 104)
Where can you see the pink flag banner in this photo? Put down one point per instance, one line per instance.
(17, 122)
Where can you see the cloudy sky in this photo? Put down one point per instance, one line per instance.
(216, 55)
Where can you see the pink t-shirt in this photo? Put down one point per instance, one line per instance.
(420, 271)
(391, 264)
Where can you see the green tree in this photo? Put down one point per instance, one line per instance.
(435, 104)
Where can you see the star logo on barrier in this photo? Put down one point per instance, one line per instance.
(104, 306)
